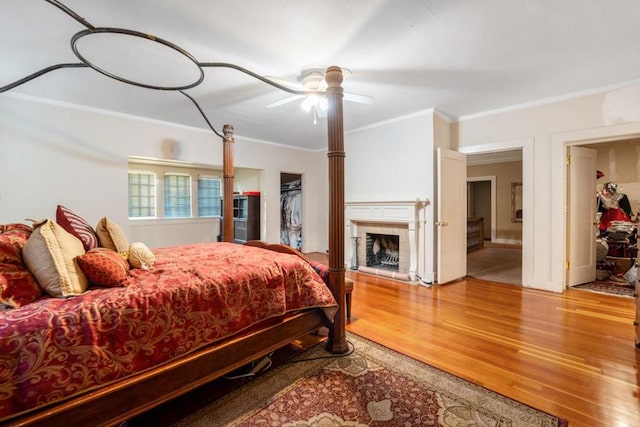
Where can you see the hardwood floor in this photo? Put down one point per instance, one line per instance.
(570, 354)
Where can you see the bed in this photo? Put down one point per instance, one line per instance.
(97, 393)
(196, 305)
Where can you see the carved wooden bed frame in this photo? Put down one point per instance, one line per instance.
(115, 403)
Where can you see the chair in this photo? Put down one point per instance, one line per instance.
(348, 288)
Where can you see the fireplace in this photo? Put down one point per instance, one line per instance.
(383, 251)
(386, 238)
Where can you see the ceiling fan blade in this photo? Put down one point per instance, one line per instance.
(285, 101)
(362, 99)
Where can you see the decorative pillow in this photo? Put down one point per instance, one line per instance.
(111, 236)
(321, 269)
(77, 226)
(104, 267)
(17, 285)
(140, 256)
(15, 226)
(50, 254)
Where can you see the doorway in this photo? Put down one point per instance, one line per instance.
(481, 203)
(291, 210)
(608, 258)
(491, 178)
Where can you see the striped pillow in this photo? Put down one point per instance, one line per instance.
(76, 225)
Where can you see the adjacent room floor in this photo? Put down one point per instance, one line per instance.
(496, 262)
(503, 264)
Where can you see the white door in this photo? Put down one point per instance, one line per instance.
(451, 223)
(581, 216)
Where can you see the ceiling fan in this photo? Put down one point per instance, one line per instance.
(312, 80)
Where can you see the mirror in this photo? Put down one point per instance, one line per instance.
(516, 202)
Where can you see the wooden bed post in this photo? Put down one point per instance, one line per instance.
(227, 171)
(337, 336)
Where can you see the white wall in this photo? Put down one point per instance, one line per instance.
(174, 231)
(313, 166)
(391, 161)
(544, 131)
(394, 161)
(54, 154)
(246, 180)
(505, 173)
(51, 154)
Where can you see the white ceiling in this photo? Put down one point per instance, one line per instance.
(459, 56)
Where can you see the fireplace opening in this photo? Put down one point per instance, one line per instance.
(383, 251)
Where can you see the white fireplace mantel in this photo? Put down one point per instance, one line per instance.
(409, 213)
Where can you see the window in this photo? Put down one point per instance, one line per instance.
(142, 194)
(177, 195)
(209, 195)
(170, 190)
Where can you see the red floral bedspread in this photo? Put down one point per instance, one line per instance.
(195, 294)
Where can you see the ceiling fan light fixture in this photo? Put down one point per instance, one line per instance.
(323, 104)
(309, 102)
(316, 102)
(319, 105)
(311, 88)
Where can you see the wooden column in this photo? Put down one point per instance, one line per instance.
(227, 172)
(337, 336)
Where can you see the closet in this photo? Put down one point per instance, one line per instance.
(291, 210)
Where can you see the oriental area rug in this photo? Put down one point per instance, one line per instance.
(373, 386)
(611, 287)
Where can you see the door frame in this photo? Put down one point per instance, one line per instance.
(528, 191)
(492, 179)
(560, 149)
(302, 178)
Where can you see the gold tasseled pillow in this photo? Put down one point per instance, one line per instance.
(111, 236)
(140, 256)
(50, 254)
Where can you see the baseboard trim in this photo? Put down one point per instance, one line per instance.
(507, 241)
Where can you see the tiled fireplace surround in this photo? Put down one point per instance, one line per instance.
(405, 219)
